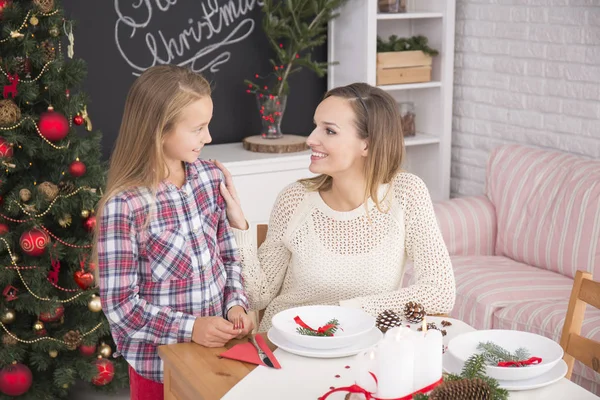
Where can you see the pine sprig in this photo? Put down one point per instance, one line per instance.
(493, 353)
(329, 332)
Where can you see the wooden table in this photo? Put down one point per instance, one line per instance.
(194, 372)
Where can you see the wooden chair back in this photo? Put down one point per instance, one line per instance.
(261, 235)
(576, 347)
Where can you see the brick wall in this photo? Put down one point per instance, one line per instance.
(526, 71)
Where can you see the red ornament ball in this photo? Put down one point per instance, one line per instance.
(6, 150)
(34, 242)
(106, 372)
(54, 315)
(3, 229)
(90, 223)
(87, 350)
(78, 120)
(3, 5)
(53, 125)
(77, 169)
(15, 379)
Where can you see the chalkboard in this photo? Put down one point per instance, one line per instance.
(222, 39)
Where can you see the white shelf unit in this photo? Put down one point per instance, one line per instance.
(352, 42)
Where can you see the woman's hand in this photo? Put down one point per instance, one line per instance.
(235, 215)
(240, 319)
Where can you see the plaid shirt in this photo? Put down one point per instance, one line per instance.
(155, 281)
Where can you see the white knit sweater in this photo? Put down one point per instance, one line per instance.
(316, 255)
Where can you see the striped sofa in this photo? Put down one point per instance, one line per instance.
(515, 249)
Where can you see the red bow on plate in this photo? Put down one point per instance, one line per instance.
(522, 363)
(322, 329)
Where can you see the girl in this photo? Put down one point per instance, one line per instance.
(169, 269)
(345, 236)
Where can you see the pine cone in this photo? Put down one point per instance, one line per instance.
(49, 190)
(464, 389)
(387, 320)
(8, 340)
(66, 187)
(414, 312)
(72, 339)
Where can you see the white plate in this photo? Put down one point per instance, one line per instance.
(353, 323)
(364, 343)
(453, 366)
(464, 346)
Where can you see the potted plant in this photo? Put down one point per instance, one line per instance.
(293, 28)
(404, 60)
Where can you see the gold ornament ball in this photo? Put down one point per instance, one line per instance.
(85, 213)
(34, 20)
(65, 221)
(25, 195)
(94, 304)
(10, 112)
(15, 258)
(8, 316)
(54, 31)
(104, 350)
(38, 326)
(53, 353)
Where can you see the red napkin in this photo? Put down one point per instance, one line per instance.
(247, 352)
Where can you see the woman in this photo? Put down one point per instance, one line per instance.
(344, 237)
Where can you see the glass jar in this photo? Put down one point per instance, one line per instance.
(392, 6)
(407, 118)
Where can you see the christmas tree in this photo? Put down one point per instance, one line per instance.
(52, 327)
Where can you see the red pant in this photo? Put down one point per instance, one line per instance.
(144, 389)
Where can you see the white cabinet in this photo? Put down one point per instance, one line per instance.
(352, 41)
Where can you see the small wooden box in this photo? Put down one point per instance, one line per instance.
(403, 67)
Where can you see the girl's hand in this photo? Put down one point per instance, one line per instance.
(235, 215)
(213, 331)
(237, 315)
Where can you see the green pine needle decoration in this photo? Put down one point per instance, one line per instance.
(494, 354)
(329, 332)
(394, 43)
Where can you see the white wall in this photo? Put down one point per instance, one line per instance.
(526, 71)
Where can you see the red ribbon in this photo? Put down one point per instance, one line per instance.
(369, 396)
(322, 329)
(530, 361)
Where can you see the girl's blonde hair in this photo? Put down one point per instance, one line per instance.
(377, 120)
(152, 108)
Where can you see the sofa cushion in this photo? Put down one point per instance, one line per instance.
(485, 284)
(547, 318)
(547, 207)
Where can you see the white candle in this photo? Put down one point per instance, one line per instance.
(395, 361)
(367, 365)
(428, 359)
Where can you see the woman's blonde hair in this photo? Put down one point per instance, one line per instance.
(377, 120)
(152, 108)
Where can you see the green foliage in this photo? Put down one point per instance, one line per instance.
(394, 43)
(35, 161)
(494, 354)
(293, 28)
